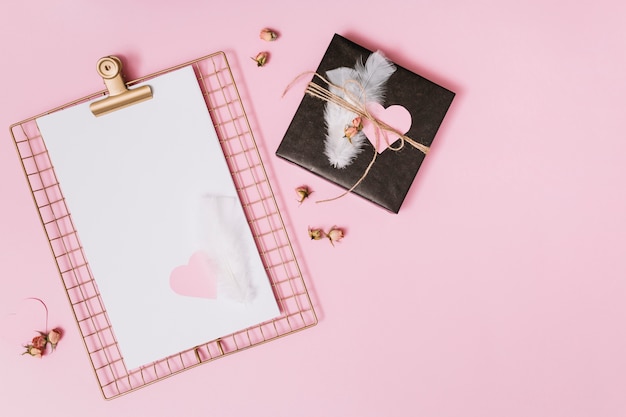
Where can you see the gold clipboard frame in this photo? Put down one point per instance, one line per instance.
(251, 181)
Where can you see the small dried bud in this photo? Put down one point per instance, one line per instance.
(260, 58)
(268, 35)
(39, 342)
(350, 132)
(353, 129)
(33, 351)
(53, 337)
(334, 235)
(315, 234)
(303, 193)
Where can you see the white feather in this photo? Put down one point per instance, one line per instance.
(223, 226)
(340, 77)
(374, 75)
(370, 80)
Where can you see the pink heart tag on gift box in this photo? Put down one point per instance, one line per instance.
(395, 116)
(196, 279)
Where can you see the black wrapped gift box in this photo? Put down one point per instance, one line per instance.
(393, 172)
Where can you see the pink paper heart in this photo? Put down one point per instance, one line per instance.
(395, 116)
(196, 279)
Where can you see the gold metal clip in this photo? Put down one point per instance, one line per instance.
(110, 69)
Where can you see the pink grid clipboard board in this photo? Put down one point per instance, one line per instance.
(248, 172)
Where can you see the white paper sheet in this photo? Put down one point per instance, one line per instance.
(143, 185)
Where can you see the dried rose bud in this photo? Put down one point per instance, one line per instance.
(260, 58)
(315, 234)
(268, 35)
(53, 337)
(33, 351)
(334, 235)
(350, 132)
(39, 342)
(353, 129)
(303, 193)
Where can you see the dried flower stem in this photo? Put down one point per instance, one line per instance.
(45, 308)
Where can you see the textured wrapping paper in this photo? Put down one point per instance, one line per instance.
(391, 176)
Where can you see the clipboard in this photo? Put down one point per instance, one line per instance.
(236, 140)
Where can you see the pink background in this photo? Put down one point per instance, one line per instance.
(497, 291)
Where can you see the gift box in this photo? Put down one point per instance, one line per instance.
(344, 113)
